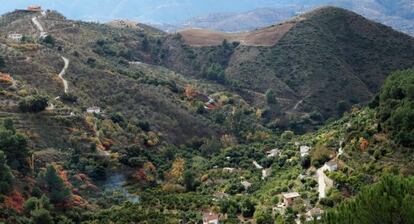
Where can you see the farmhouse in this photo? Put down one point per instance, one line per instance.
(304, 150)
(289, 198)
(93, 110)
(15, 36)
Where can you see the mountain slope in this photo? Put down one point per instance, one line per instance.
(330, 54)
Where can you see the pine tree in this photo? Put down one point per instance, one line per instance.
(389, 201)
(6, 177)
(58, 192)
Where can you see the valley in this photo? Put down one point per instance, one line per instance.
(125, 123)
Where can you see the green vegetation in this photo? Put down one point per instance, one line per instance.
(389, 201)
(2, 62)
(58, 192)
(49, 40)
(270, 96)
(396, 106)
(6, 178)
(184, 130)
(35, 104)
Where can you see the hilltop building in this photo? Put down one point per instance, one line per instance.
(34, 8)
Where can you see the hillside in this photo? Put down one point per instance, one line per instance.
(124, 123)
(327, 54)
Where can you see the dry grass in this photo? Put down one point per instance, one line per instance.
(268, 36)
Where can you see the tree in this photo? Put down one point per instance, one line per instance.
(270, 96)
(33, 104)
(306, 162)
(145, 44)
(247, 207)
(41, 216)
(69, 97)
(189, 180)
(2, 62)
(49, 40)
(214, 72)
(388, 201)
(34, 203)
(58, 192)
(341, 107)
(14, 146)
(396, 107)
(263, 216)
(6, 177)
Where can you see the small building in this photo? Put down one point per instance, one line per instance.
(266, 173)
(34, 8)
(211, 104)
(210, 218)
(93, 110)
(273, 153)
(228, 170)
(15, 36)
(314, 213)
(331, 166)
(246, 184)
(289, 198)
(304, 150)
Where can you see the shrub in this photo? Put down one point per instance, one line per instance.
(49, 40)
(69, 97)
(287, 135)
(33, 104)
(396, 106)
(6, 177)
(270, 96)
(144, 125)
(2, 62)
(214, 72)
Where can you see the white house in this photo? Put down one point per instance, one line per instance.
(210, 218)
(228, 170)
(272, 153)
(266, 173)
(93, 110)
(15, 36)
(246, 184)
(304, 150)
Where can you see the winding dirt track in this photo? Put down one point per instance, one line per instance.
(62, 73)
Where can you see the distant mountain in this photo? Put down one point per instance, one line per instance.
(397, 14)
(234, 22)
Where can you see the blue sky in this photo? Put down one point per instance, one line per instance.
(154, 11)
